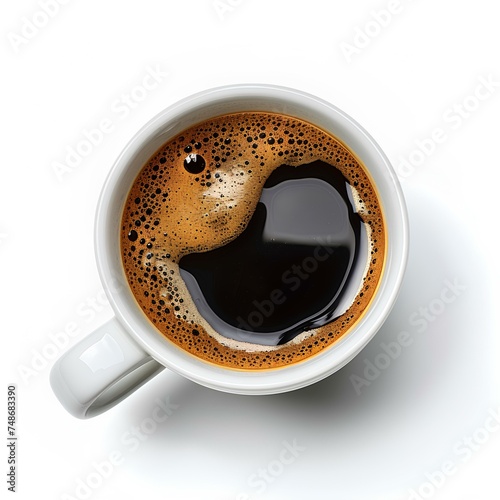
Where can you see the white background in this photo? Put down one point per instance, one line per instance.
(412, 76)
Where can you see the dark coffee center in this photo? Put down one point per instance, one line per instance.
(291, 268)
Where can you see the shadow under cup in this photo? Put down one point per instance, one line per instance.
(196, 109)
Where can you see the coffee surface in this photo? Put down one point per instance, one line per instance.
(289, 269)
(253, 240)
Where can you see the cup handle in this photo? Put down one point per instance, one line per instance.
(101, 370)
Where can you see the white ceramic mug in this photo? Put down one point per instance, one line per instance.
(126, 352)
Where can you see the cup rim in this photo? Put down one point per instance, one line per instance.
(227, 379)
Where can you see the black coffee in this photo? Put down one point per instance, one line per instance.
(253, 240)
(289, 269)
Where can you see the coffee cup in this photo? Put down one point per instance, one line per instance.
(127, 351)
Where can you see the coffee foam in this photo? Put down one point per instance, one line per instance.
(171, 212)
